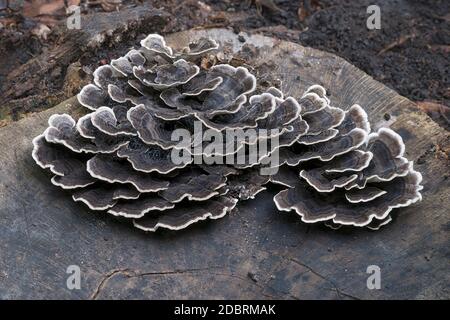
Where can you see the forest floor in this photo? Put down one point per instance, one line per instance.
(44, 63)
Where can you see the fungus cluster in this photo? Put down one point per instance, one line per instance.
(341, 173)
(159, 146)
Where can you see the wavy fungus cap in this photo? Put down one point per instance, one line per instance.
(353, 178)
(119, 157)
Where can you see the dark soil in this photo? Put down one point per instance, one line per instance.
(410, 53)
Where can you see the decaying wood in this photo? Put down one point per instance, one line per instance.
(254, 253)
(106, 29)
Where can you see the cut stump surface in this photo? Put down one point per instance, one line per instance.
(257, 252)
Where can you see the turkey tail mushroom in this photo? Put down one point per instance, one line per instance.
(119, 158)
(153, 113)
(353, 178)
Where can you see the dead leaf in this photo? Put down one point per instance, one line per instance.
(438, 112)
(47, 13)
(34, 8)
(74, 79)
(397, 43)
(7, 21)
(306, 8)
(208, 61)
(302, 14)
(37, 8)
(269, 4)
(3, 123)
(111, 5)
(204, 7)
(219, 17)
(443, 48)
(41, 31)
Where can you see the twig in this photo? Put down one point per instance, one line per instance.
(397, 43)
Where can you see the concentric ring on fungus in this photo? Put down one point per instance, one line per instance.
(118, 157)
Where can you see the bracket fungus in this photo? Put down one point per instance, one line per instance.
(158, 146)
(353, 178)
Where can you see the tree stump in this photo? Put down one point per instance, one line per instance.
(257, 252)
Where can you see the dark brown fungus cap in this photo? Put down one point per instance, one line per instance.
(199, 47)
(125, 64)
(85, 127)
(112, 121)
(310, 102)
(113, 170)
(322, 183)
(115, 83)
(138, 208)
(54, 157)
(76, 178)
(355, 117)
(153, 130)
(323, 119)
(227, 97)
(295, 131)
(168, 75)
(376, 224)
(321, 137)
(160, 110)
(320, 91)
(186, 214)
(156, 43)
(149, 158)
(324, 151)
(315, 206)
(194, 186)
(364, 195)
(247, 116)
(388, 162)
(287, 136)
(92, 97)
(102, 197)
(63, 130)
(202, 83)
(286, 111)
(285, 176)
(68, 167)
